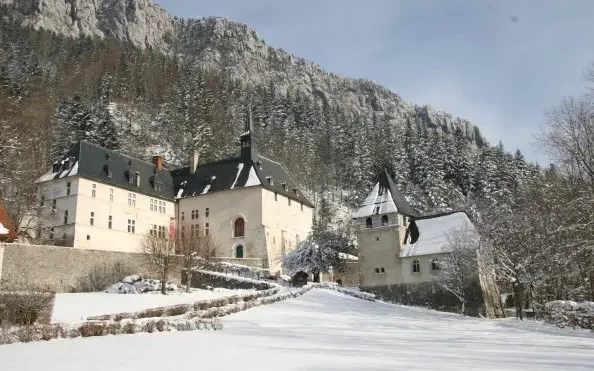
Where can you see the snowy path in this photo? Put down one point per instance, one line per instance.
(323, 330)
(71, 308)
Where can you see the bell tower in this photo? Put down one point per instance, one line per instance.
(248, 147)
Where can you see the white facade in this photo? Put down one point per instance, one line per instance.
(85, 213)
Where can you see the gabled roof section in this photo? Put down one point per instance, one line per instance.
(234, 173)
(385, 198)
(111, 167)
(7, 231)
(432, 231)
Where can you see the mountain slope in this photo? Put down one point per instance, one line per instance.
(221, 44)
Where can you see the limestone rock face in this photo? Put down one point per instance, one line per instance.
(219, 43)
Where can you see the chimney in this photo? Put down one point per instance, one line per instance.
(158, 162)
(194, 164)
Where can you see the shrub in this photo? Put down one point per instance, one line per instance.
(92, 329)
(102, 276)
(26, 308)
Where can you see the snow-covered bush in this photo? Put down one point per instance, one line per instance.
(135, 284)
(567, 313)
(24, 334)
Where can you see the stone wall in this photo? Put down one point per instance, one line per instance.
(52, 268)
(430, 295)
(349, 276)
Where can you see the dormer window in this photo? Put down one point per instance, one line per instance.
(107, 169)
(270, 180)
(284, 186)
(295, 190)
(381, 190)
(376, 210)
(137, 179)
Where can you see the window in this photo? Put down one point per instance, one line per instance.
(54, 206)
(66, 217)
(51, 236)
(416, 267)
(110, 222)
(132, 199)
(239, 251)
(111, 195)
(92, 219)
(206, 229)
(68, 188)
(289, 201)
(270, 181)
(153, 204)
(435, 265)
(377, 239)
(131, 226)
(377, 270)
(369, 223)
(195, 230)
(381, 190)
(183, 216)
(157, 231)
(137, 179)
(239, 227)
(384, 220)
(275, 196)
(162, 207)
(194, 214)
(88, 237)
(207, 212)
(382, 270)
(284, 186)
(94, 191)
(376, 210)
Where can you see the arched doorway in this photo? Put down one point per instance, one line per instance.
(239, 251)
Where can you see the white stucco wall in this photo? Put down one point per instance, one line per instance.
(224, 208)
(80, 203)
(285, 224)
(117, 238)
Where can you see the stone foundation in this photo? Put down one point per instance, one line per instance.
(432, 296)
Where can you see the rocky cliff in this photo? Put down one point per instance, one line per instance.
(218, 43)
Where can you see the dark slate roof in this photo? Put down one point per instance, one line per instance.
(94, 162)
(236, 173)
(402, 205)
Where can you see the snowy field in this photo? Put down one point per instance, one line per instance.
(70, 308)
(323, 330)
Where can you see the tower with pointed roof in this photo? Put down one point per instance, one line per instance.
(248, 146)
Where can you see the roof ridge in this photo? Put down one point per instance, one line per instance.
(116, 152)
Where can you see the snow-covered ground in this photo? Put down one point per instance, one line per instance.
(70, 308)
(323, 330)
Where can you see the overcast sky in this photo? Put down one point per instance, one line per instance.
(500, 64)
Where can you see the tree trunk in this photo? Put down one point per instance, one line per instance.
(463, 307)
(492, 299)
(188, 275)
(164, 277)
(518, 300)
(316, 277)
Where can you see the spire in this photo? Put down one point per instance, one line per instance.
(248, 148)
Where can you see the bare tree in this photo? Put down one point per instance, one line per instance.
(160, 250)
(568, 137)
(194, 244)
(458, 270)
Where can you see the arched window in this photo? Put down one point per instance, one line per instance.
(369, 223)
(384, 220)
(239, 251)
(416, 267)
(435, 265)
(239, 228)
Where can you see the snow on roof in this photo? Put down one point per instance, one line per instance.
(347, 256)
(253, 179)
(434, 232)
(239, 169)
(374, 199)
(3, 230)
